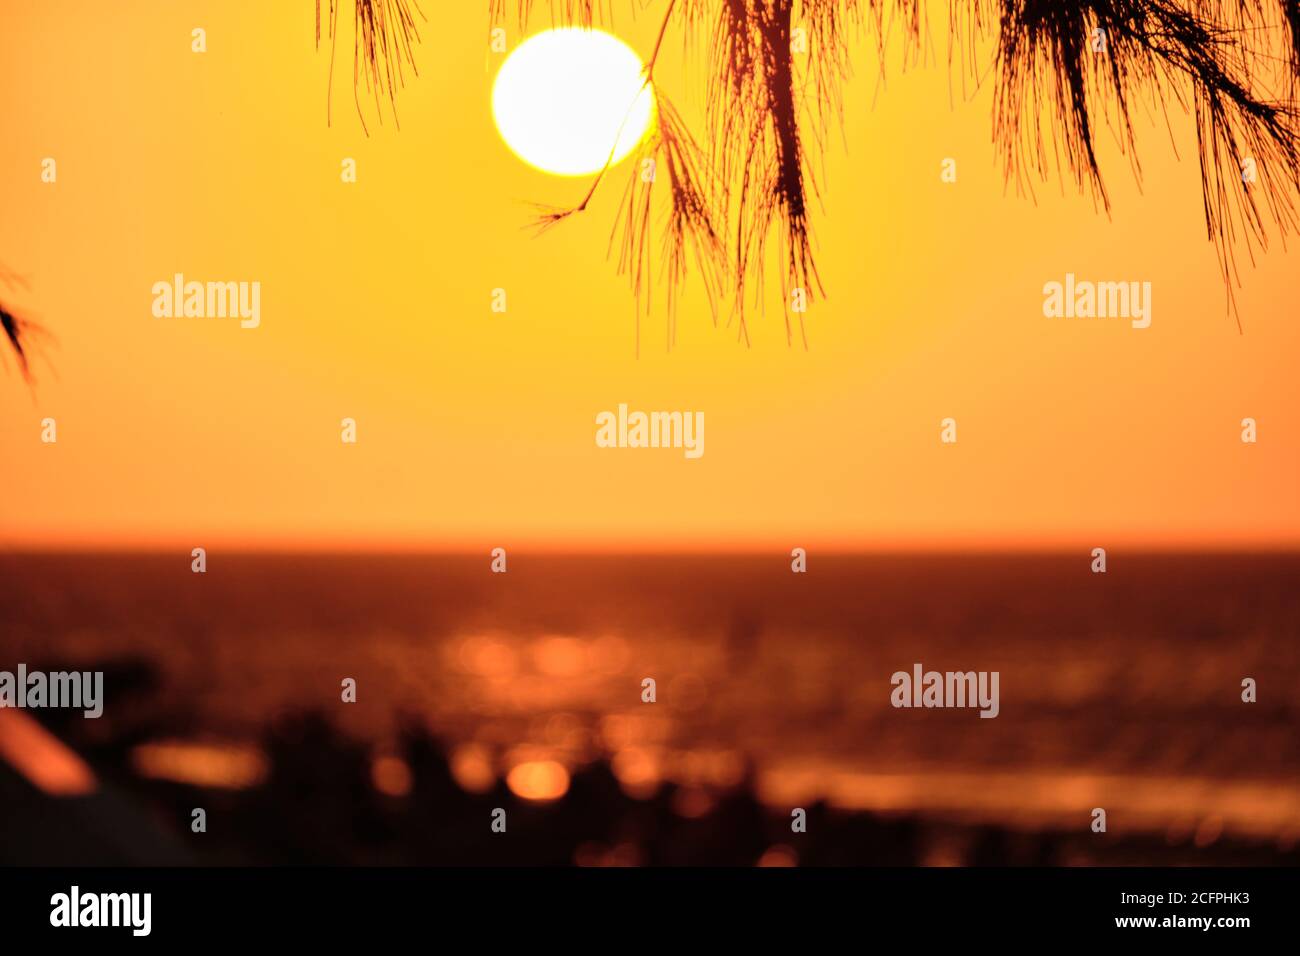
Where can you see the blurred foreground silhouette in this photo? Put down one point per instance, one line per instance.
(222, 692)
(320, 805)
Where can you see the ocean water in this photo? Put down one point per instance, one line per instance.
(1120, 690)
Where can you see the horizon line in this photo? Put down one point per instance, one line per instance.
(883, 549)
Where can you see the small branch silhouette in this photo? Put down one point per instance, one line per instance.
(23, 335)
(1062, 69)
(385, 35)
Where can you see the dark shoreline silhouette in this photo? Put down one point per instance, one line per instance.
(1120, 692)
(318, 806)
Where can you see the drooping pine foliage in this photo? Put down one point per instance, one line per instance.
(1233, 64)
(1064, 72)
(385, 34)
(22, 334)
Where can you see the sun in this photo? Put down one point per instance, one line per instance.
(564, 98)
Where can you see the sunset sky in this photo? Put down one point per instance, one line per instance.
(476, 429)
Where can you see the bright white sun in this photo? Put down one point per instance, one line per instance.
(565, 97)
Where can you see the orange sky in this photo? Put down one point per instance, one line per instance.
(476, 429)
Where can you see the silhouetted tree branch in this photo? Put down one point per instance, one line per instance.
(1062, 70)
(22, 334)
(383, 48)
